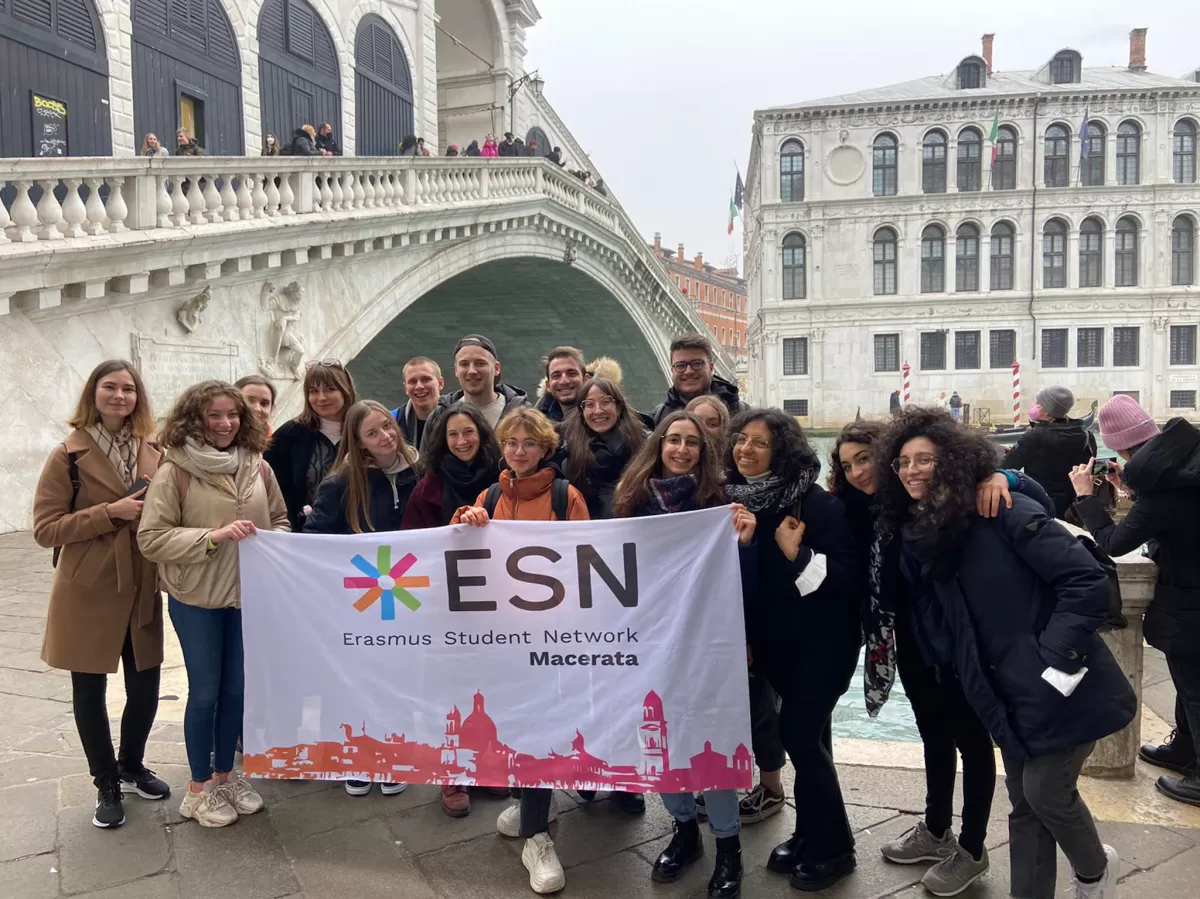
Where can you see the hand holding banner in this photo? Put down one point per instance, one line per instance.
(362, 653)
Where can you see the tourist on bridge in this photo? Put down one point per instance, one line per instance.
(1024, 646)
(423, 385)
(326, 143)
(422, 150)
(565, 373)
(693, 373)
(460, 458)
(473, 149)
(270, 145)
(490, 149)
(677, 470)
(104, 601)
(508, 146)
(1048, 452)
(151, 146)
(259, 394)
(452, 150)
(366, 492)
(303, 450)
(802, 626)
(304, 142)
(408, 146)
(213, 491)
(530, 489)
(478, 367)
(948, 725)
(1163, 471)
(185, 144)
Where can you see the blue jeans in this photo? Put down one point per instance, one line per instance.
(211, 640)
(722, 805)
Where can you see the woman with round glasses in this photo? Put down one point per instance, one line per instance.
(802, 626)
(1023, 645)
(527, 493)
(599, 442)
(302, 451)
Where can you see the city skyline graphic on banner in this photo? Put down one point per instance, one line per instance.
(472, 754)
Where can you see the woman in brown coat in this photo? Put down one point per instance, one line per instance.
(104, 602)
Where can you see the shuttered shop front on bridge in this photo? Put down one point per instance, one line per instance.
(383, 95)
(298, 70)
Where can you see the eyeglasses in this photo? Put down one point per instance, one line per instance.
(530, 446)
(605, 402)
(678, 440)
(324, 363)
(693, 364)
(922, 462)
(758, 443)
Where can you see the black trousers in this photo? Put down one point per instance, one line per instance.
(949, 727)
(89, 697)
(535, 811)
(1183, 660)
(764, 724)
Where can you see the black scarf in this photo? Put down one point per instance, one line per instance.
(667, 495)
(462, 482)
(774, 494)
(610, 455)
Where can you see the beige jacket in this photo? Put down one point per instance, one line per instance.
(178, 539)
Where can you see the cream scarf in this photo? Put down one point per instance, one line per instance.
(211, 460)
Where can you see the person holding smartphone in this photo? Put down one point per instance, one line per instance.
(104, 603)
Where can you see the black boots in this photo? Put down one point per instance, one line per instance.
(810, 878)
(785, 857)
(726, 881)
(684, 849)
(630, 803)
(1181, 789)
(1177, 753)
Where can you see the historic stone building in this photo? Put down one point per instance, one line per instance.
(717, 294)
(879, 231)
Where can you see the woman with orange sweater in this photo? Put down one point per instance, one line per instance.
(529, 492)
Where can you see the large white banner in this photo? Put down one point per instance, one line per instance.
(589, 655)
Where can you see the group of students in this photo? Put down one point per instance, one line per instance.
(953, 572)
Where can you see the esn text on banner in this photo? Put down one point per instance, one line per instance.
(582, 655)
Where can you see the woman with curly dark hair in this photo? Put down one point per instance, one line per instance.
(212, 491)
(599, 442)
(802, 625)
(460, 459)
(1011, 605)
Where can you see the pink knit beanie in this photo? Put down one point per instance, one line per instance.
(1125, 424)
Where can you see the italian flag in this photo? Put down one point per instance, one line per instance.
(995, 134)
(733, 212)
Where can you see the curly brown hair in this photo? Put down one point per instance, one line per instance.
(964, 458)
(868, 433)
(186, 418)
(633, 490)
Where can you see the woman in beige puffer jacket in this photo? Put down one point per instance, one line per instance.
(213, 490)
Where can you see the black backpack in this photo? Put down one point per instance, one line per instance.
(559, 495)
(1115, 619)
(73, 474)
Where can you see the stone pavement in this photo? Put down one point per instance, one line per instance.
(314, 841)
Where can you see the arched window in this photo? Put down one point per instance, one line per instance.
(1091, 156)
(791, 172)
(1058, 156)
(1002, 256)
(1129, 151)
(794, 252)
(1183, 251)
(1054, 254)
(933, 163)
(383, 97)
(970, 159)
(1127, 252)
(971, 73)
(1066, 67)
(298, 74)
(1004, 169)
(1091, 253)
(884, 166)
(933, 259)
(1183, 166)
(966, 259)
(885, 261)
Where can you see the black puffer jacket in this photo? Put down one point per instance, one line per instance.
(726, 391)
(302, 144)
(389, 495)
(1003, 601)
(1048, 452)
(1165, 476)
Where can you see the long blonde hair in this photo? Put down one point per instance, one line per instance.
(354, 462)
(86, 413)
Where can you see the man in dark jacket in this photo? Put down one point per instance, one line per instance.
(1048, 452)
(507, 146)
(326, 143)
(423, 384)
(478, 370)
(693, 374)
(304, 141)
(185, 145)
(1163, 471)
(565, 373)
(556, 157)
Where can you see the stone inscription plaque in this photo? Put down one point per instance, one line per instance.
(168, 367)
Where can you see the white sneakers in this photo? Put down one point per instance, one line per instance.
(1106, 886)
(219, 805)
(241, 795)
(509, 822)
(541, 861)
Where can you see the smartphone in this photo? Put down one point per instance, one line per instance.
(138, 485)
(1103, 467)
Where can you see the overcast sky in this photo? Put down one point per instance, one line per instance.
(662, 93)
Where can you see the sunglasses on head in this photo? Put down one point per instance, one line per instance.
(325, 363)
